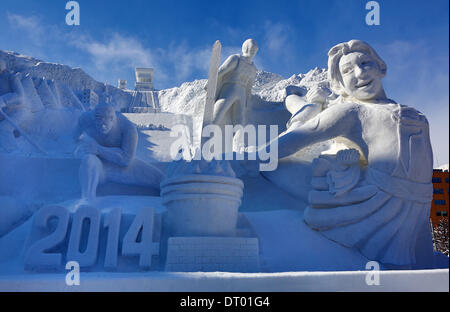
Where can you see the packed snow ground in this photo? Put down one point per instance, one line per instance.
(290, 248)
(390, 281)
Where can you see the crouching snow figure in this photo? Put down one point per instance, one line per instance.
(379, 202)
(107, 148)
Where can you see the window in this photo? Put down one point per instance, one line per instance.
(436, 180)
(441, 213)
(440, 202)
(438, 191)
(446, 180)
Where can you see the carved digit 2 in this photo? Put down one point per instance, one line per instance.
(36, 255)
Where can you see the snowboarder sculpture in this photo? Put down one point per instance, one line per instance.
(234, 83)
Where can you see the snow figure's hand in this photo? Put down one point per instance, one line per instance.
(300, 91)
(318, 94)
(87, 146)
(348, 157)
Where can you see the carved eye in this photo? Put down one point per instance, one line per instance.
(346, 70)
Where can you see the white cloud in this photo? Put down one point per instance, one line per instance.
(277, 48)
(276, 37)
(116, 53)
(28, 25)
(184, 60)
(117, 49)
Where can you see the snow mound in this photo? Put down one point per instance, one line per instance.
(187, 99)
(75, 78)
(58, 86)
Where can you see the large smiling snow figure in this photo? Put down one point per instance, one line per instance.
(378, 202)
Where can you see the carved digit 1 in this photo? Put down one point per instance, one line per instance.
(145, 248)
(36, 255)
(89, 256)
(112, 222)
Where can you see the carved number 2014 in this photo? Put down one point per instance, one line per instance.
(44, 253)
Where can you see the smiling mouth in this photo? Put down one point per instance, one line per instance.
(364, 84)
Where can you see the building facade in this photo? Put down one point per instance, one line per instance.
(122, 84)
(440, 203)
(89, 99)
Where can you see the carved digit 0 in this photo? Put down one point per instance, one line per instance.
(36, 256)
(89, 256)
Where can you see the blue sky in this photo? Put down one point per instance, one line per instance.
(175, 37)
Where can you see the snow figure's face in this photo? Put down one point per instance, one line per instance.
(249, 49)
(104, 119)
(361, 76)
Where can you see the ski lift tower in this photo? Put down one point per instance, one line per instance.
(144, 79)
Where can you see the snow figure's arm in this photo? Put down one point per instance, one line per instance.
(227, 66)
(307, 107)
(80, 127)
(122, 156)
(248, 92)
(77, 133)
(330, 123)
(300, 109)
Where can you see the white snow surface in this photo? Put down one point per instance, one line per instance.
(349, 281)
(444, 167)
(285, 250)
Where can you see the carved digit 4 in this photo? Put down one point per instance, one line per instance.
(36, 255)
(145, 248)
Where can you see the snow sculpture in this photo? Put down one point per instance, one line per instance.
(31, 94)
(107, 147)
(316, 101)
(382, 209)
(202, 198)
(234, 83)
(14, 109)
